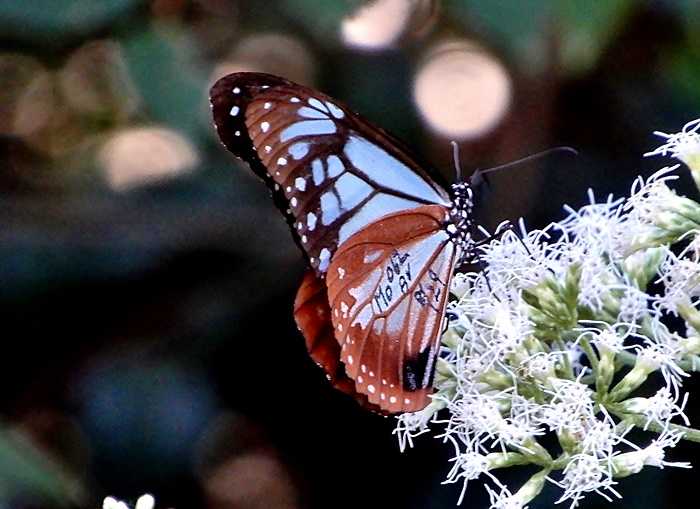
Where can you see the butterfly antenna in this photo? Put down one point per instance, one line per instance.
(455, 160)
(532, 157)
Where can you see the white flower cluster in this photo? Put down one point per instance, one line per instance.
(144, 502)
(556, 334)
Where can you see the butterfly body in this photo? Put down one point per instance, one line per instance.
(382, 237)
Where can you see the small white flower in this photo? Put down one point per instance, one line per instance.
(661, 408)
(541, 365)
(144, 502)
(684, 146)
(600, 437)
(516, 262)
(634, 303)
(504, 499)
(663, 357)
(653, 455)
(680, 276)
(411, 425)
(584, 474)
(571, 406)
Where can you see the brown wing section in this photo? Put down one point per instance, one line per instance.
(313, 317)
(387, 289)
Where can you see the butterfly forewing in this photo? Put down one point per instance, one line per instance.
(387, 288)
(332, 173)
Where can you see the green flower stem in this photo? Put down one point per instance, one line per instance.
(566, 367)
(506, 459)
(631, 381)
(689, 313)
(496, 379)
(590, 353)
(640, 421)
(532, 487)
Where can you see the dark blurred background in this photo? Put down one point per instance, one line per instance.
(146, 279)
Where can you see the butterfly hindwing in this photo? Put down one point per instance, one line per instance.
(313, 317)
(331, 172)
(387, 288)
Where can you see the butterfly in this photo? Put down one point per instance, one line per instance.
(381, 236)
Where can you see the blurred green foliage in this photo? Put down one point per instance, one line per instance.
(50, 21)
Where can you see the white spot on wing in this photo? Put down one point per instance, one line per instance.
(236, 90)
(264, 126)
(281, 161)
(335, 166)
(234, 111)
(299, 150)
(307, 112)
(371, 389)
(267, 106)
(311, 221)
(294, 100)
(317, 171)
(363, 292)
(300, 184)
(330, 208)
(325, 257)
(372, 256)
(335, 111)
(341, 273)
(317, 104)
(307, 128)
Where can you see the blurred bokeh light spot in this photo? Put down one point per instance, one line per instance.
(26, 95)
(94, 80)
(143, 155)
(462, 91)
(145, 413)
(377, 25)
(250, 481)
(273, 53)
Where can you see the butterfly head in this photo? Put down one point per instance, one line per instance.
(461, 223)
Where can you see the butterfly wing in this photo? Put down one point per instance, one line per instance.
(343, 183)
(331, 172)
(387, 289)
(313, 317)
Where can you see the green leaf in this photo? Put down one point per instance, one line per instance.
(161, 64)
(517, 27)
(26, 469)
(322, 18)
(522, 28)
(46, 20)
(587, 28)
